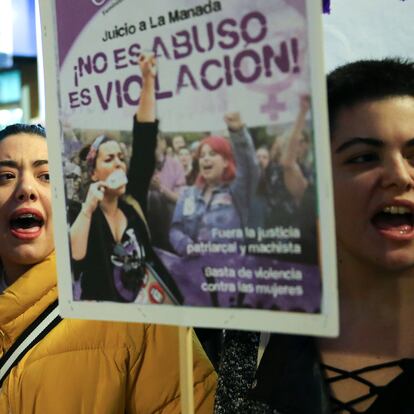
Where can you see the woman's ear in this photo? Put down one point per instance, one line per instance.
(94, 178)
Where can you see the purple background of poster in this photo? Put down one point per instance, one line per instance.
(188, 274)
(72, 16)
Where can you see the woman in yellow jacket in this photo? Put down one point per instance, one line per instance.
(79, 367)
(87, 367)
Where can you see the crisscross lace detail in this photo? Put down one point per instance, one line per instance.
(373, 389)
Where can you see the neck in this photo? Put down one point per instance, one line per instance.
(109, 205)
(376, 309)
(208, 191)
(13, 271)
(211, 185)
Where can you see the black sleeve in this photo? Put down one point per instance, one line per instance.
(142, 165)
(73, 208)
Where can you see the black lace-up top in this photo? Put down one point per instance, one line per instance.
(291, 380)
(397, 397)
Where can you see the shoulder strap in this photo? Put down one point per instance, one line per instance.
(44, 323)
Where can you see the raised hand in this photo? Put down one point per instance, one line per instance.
(147, 64)
(95, 195)
(233, 121)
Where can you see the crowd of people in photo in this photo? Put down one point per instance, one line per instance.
(262, 182)
(201, 183)
(182, 190)
(216, 182)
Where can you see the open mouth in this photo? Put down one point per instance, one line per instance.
(26, 224)
(207, 168)
(398, 220)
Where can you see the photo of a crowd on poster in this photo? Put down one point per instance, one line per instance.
(214, 205)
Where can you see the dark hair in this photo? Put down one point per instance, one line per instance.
(89, 153)
(15, 129)
(368, 80)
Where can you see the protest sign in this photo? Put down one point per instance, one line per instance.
(235, 188)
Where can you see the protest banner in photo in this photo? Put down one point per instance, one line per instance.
(219, 214)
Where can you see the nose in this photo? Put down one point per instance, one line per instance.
(399, 173)
(118, 162)
(26, 190)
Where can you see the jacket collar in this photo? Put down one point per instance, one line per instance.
(25, 299)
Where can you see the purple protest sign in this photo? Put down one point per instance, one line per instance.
(209, 232)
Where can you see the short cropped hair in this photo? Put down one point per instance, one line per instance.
(368, 80)
(15, 129)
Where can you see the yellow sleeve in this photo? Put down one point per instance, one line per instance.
(154, 378)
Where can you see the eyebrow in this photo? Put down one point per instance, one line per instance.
(373, 142)
(14, 164)
(39, 163)
(113, 155)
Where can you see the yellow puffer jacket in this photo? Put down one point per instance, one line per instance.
(88, 367)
